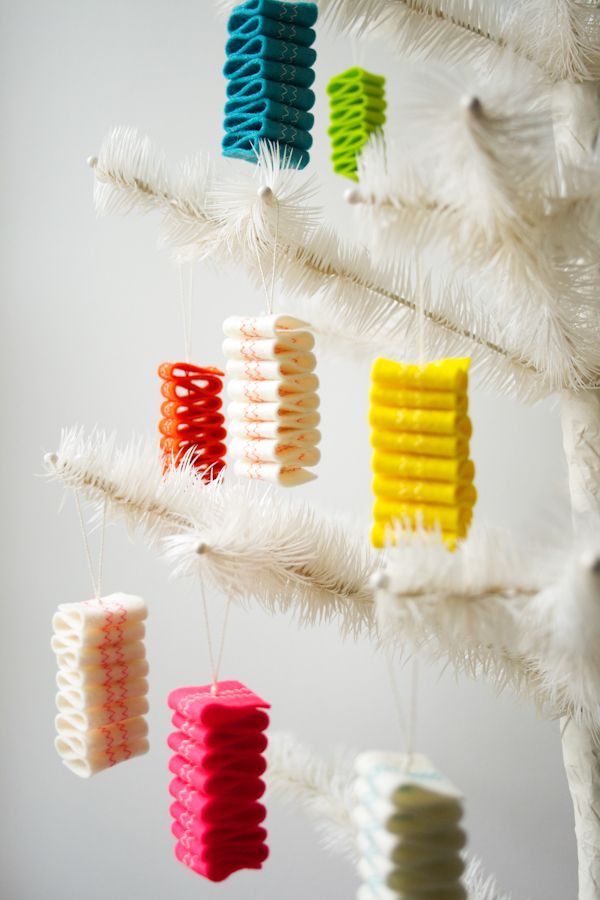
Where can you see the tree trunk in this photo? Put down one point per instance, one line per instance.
(581, 754)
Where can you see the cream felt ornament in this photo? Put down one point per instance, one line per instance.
(274, 401)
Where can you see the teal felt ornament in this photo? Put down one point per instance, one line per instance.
(270, 69)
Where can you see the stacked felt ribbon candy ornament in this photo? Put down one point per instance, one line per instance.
(218, 763)
(269, 67)
(192, 425)
(408, 827)
(102, 682)
(357, 103)
(273, 413)
(420, 434)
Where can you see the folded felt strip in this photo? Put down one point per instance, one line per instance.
(244, 146)
(246, 89)
(450, 518)
(446, 447)
(87, 766)
(98, 695)
(264, 108)
(101, 639)
(282, 346)
(96, 716)
(221, 782)
(101, 675)
(384, 394)
(273, 473)
(99, 739)
(440, 375)
(293, 387)
(215, 871)
(221, 834)
(246, 26)
(414, 491)
(304, 14)
(269, 370)
(265, 47)
(423, 421)
(265, 451)
(108, 614)
(244, 130)
(93, 655)
(253, 69)
(284, 414)
(427, 468)
(275, 431)
(262, 326)
(239, 847)
(247, 738)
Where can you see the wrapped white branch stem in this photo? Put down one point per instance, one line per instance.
(350, 296)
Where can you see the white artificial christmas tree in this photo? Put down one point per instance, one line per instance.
(479, 220)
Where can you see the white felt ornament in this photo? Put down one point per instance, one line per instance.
(407, 817)
(273, 410)
(101, 680)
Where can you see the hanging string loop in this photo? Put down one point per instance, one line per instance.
(95, 577)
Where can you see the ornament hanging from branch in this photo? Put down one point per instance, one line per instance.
(420, 434)
(357, 101)
(101, 680)
(192, 426)
(273, 410)
(409, 836)
(269, 67)
(218, 744)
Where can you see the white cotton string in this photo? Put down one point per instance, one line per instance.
(395, 691)
(270, 289)
(271, 298)
(95, 579)
(357, 51)
(420, 313)
(215, 663)
(412, 713)
(185, 297)
(262, 276)
(408, 731)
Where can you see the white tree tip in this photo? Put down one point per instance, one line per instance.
(471, 104)
(380, 581)
(92, 161)
(265, 192)
(352, 195)
(50, 460)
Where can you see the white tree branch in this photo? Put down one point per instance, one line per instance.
(495, 607)
(252, 543)
(345, 292)
(477, 182)
(559, 37)
(539, 638)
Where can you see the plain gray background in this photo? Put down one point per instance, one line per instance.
(90, 308)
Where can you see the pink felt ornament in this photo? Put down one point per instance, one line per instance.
(217, 766)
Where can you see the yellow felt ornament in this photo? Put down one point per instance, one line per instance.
(420, 435)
